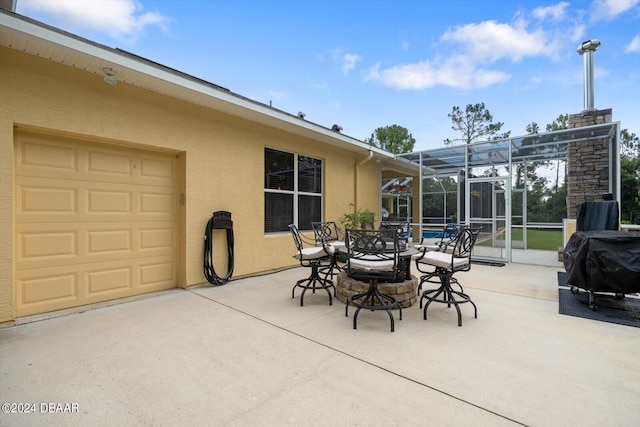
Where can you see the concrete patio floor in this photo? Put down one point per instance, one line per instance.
(246, 354)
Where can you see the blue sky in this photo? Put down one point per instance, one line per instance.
(369, 64)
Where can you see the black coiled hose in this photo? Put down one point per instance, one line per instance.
(219, 220)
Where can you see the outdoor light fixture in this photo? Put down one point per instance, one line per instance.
(110, 75)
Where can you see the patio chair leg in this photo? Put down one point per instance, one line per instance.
(453, 301)
(448, 297)
(333, 269)
(430, 299)
(367, 300)
(391, 318)
(314, 282)
(424, 279)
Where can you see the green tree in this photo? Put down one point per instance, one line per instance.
(395, 139)
(629, 144)
(544, 204)
(556, 204)
(630, 176)
(533, 128)
(560, 123)
(475, 123)
(529, 169)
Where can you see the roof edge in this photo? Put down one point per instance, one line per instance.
(16, 24)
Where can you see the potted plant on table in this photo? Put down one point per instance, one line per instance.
(356, 219)
(359, 219)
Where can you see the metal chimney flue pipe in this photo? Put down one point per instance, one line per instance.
(586, 50)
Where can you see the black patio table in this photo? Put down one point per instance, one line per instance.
(404, 264)
(404, 261)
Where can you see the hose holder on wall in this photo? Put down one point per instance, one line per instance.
(221, 220)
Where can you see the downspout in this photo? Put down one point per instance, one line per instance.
(357, 177)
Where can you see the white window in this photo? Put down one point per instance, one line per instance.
(292, 190)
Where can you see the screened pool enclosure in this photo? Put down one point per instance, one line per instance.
(514, 189)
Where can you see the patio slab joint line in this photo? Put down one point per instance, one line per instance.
(361, 360)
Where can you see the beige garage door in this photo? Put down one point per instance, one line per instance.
(93, 222)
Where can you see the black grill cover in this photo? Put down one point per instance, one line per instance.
(597, 216)
(603, 261)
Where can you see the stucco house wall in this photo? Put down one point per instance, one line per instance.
(220, 160)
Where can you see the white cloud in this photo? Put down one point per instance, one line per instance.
(556, 12)
(476, 46)
(490, 41)
(457, 72)
(486, 78)
(349, 61)
(121, 19)
(611, 9)
(477, 51)
(534, 81)
(577, 33)
(634, 46)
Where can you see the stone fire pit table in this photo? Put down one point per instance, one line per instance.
(404, 292)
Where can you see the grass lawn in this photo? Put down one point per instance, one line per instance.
(548, 240)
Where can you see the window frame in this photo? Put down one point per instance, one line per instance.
(296, 193)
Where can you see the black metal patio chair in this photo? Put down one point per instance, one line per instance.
(428, 271)
(446, 264)
(402, 229)
(331, 238)
(315, 258)
(373, 256)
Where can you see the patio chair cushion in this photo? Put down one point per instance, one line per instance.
(439, 248)
(332, 247)
(336, 245)
(441, 259)
(416, 256)
(372, 263)
(312, 253)
(428, 248)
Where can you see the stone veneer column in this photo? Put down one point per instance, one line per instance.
(587, 162)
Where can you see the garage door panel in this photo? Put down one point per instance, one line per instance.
(93, 222)
(157, 171)
(103, 201)
(44, 288)
(154, 204)
(105, 280)
(40, 156)
(103, 241)
(109, 202)
(54, 246)
(41, 199)
(130, 166)
(157, 239)
(110, 165)
(57, 157)
(54, 288)
(69, 244)
(157, 274)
